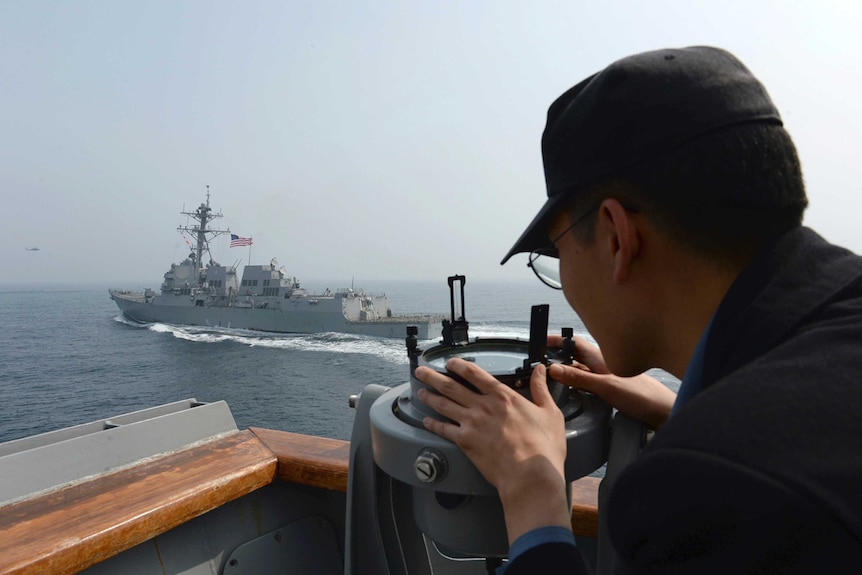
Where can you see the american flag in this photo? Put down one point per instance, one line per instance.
(236, 241)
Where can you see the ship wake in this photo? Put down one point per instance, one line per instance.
(392, 350)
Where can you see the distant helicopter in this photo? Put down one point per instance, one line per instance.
(33, 249)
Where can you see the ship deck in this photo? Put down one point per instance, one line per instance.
(135, 296)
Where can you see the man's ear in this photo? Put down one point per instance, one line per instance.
(623, 239)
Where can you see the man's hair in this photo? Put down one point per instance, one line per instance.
(722, 195)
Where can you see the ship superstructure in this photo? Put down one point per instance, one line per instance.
(200, 291)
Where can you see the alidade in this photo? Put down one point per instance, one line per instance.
(429, 481)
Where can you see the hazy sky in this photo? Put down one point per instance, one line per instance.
(367, 139)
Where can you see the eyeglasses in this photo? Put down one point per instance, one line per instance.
(545, 262)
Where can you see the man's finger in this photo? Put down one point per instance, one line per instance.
(444, 385)
(442, 405)
(539, 386)
(443, 429)
(574, 376)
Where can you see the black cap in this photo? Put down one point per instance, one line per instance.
(637, 108)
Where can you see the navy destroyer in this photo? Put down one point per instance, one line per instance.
(265, 298)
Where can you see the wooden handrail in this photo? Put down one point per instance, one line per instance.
(70, 529)
(321, 462)
(308, 460)
(585, 506)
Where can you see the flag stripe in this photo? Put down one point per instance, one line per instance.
(237, 241)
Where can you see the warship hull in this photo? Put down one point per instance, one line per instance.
(302, 315)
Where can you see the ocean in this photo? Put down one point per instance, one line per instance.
(67, 357)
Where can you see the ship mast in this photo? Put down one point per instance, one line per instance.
(202, 216)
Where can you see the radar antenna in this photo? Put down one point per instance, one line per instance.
(202, 216)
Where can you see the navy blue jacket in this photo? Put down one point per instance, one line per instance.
(761, 472)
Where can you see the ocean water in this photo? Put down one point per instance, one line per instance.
(67, 357)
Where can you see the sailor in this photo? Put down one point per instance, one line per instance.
(673, 225)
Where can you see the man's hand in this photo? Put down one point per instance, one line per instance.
(519, 446)
(641, 397)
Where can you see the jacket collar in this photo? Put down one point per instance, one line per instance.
(785, 283)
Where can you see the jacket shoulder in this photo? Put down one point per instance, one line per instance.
(684, 511)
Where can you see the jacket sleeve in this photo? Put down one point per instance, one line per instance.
(548, 559)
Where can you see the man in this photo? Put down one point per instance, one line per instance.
(675, 202)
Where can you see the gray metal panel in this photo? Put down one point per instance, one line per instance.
(94, 426)
(305, 547)
(58, 458)
(202, 546)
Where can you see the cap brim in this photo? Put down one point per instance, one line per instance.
(535, 237)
